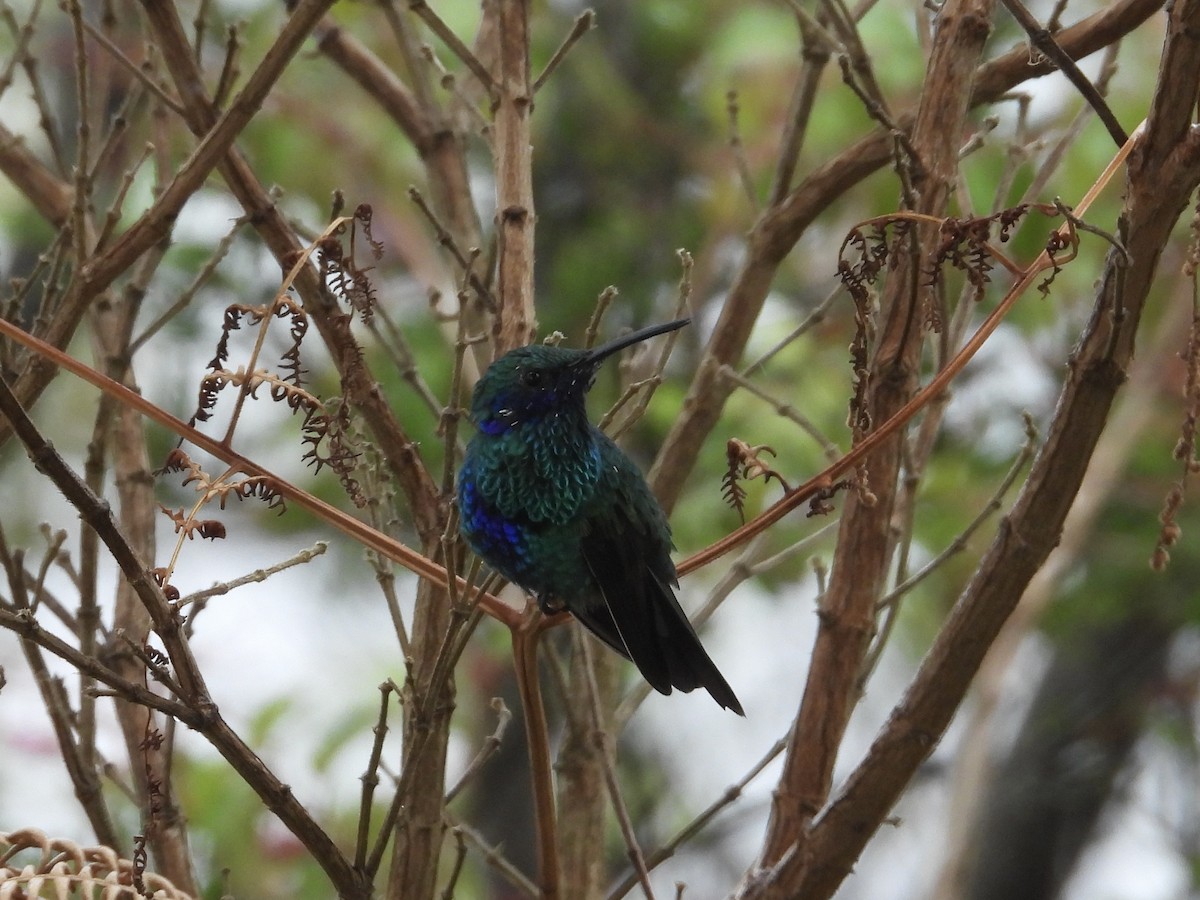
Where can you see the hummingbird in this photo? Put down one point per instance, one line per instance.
(555, 506)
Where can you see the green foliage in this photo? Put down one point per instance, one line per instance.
(234, 834)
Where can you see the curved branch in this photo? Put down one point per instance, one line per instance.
(343, 522)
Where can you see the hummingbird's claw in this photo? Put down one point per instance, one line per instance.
(549, 604)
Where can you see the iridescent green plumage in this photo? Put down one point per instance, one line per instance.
(555, 506)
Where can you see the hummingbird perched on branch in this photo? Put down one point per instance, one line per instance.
(555, 506)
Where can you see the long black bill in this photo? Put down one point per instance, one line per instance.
(596, 354)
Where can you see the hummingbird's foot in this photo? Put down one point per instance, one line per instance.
(549, 604)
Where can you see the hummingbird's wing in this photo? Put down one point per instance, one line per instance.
(637, 614)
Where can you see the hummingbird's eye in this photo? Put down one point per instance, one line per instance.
(532, 378)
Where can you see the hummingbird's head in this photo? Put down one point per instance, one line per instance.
(527, 384)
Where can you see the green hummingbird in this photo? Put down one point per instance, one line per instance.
(554, 505)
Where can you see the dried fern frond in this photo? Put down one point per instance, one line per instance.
(66, 871)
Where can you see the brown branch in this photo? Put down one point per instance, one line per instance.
(451, 40)
(343, 522)
(201, 713)
(359, 385)
(583, 23)
(1162, 174)
(1044, 40)
(516, 319)
(99, 273)
(50, 195)
(148, 229)
(865, 542)
(781, 225)
(525, 646)
(79, 762)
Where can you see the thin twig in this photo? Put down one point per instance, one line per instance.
(1108, 69)
(403, 28)
(584, 23)
(256, 577)
(403, 783)
(449, 82)
(83, 139)
(786, 410)
(815, 50)
(370, 778)
(451, 40)
(741, 164)
(392, 338)
(537, 734)
(878, 111)
(198, 26)
(24, 35)
(603, 741)
(490, 745)
(494, 858)
(460, 856)
(45, 117)
(386, 579)
(644, 390)
(229, 69)
(918, 401)
(347, 524)
(1044, 41)
(732, 793)
(890, 603)
(465, 259)
(189, 293)
(814, 318)
(118, 203)
(603, 302)
(450, 415)
(134, 69)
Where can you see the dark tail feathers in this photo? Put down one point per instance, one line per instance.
(654, 633)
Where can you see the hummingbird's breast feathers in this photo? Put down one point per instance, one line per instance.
(541, 476)
(521, 498)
